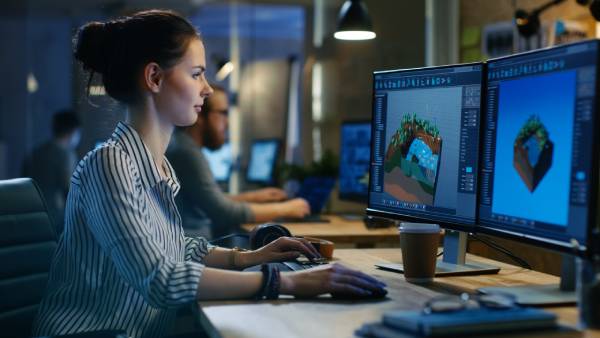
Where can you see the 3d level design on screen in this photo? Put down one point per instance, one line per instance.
(412, 161)
(533, 152)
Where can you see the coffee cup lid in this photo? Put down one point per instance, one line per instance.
(420, 228)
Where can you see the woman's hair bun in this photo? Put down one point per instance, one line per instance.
(90, 46)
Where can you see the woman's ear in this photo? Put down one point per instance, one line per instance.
(153, 76)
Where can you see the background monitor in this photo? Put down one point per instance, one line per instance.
(263, 158)
(425, 130)
(538, 180)
(355, 157)
(220, 162)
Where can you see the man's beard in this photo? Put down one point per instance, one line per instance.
(212, 140)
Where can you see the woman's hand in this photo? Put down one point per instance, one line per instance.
(281, 249)
(335, 279)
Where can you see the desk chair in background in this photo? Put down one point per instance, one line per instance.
(27, 245)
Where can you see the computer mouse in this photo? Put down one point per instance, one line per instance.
(377, 294)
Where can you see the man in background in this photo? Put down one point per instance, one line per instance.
(52, 163)
(205, 209)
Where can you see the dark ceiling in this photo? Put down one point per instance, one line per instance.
(115, 7)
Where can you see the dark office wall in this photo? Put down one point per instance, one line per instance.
(348, 67)
(41, 47)
(14, 94)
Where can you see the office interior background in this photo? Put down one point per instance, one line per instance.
(288, 77)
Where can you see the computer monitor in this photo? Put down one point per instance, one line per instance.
(424, 152)
(355, 157)
(540, 148)
(263, 158)
(220, 162)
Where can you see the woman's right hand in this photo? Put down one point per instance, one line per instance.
(335, 279)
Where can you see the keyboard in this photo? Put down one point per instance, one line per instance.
(297, 265)
(300, 265)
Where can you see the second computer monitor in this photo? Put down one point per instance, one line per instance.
(539, 167)
(425, 130)
(263, 158)
(355, 157)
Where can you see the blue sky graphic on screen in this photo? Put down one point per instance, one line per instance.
(546, 100)
(263, 155)
(355, 157)
(220, 161)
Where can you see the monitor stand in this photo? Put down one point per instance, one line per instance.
(552, 294)
(453, 261)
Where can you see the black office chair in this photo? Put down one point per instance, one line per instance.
(27, 245)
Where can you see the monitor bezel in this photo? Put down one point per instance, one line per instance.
(370, 211)
(592, 223)
(277, 142)
(353, 197)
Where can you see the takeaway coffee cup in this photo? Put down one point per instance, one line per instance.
(419, 243)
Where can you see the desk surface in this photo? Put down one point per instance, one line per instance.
(325, 317)
(340, 230)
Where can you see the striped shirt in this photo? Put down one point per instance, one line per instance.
(123, 261)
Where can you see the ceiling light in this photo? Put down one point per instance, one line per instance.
(225, 68)
(354, 22)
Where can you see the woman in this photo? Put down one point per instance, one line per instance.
(123, 261)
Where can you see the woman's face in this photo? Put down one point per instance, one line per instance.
(184, 87)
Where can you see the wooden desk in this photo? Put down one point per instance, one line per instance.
(325, 317)
(344, 233)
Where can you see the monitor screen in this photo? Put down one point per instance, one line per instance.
(538, 141)
(355, 156)
(220, 162)
(263, 157)
(425, 129)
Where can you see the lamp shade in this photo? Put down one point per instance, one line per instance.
(354, 22)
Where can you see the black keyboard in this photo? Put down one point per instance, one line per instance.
(297, 265)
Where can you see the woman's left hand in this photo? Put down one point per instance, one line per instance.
(282, 249)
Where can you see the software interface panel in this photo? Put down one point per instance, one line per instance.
(425, 142)
(538, 138)
(355, 156)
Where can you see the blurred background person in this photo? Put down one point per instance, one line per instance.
(52, 163)
(205, 209)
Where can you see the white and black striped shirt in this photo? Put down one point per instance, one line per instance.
(123, 261)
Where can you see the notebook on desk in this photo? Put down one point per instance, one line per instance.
(315, 190)
(470, 321)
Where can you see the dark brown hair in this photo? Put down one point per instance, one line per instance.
(119, 49)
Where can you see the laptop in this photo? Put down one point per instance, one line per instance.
(315, 190)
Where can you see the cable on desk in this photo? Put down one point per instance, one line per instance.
(523, 263)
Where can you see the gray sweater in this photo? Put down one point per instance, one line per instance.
(205, 210)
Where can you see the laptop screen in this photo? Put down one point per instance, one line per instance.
(263, 157)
